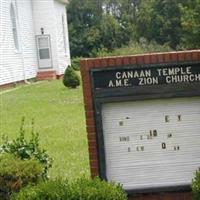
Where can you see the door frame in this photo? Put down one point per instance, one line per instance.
(50, 53)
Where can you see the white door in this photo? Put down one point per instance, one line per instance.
(152, 143)
(44, 51)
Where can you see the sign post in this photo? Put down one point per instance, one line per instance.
(143, 121)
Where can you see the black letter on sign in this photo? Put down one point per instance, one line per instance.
(163, 145)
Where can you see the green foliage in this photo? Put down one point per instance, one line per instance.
(160, 21)
(196, 186)
(27, 149)
(81, 189)
(110, 24)
(136, 48)
(75, 63)
(190, 20)
(88, 189)
(83, 32)
(51, 190)
(16, 173)
(98, 29)
(125, 12)
(71, 79)
(111, 32)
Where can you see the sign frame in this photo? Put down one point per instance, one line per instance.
(123, 94)
(94, 99)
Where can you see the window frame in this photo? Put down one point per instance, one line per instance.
(64, 34)
(14, 27)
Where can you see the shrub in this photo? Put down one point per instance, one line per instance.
(71, 79)
(76, 63)
(143, 46)
(51, 190)
(88, 189)
(24, 149)
(81, 189)
(16, 173)
(196, 186)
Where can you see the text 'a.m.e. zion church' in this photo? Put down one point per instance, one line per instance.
(154, 76)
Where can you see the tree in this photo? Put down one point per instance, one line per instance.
(190, 20)
(160, 20)
(110, 24)
(111, 32)
(97, 24)
(124, 11)
(83, 19)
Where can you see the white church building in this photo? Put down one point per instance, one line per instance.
(33, 40)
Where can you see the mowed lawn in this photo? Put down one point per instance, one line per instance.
(59, 118)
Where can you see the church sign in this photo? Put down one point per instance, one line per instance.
(143, 121)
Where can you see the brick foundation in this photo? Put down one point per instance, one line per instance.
(46, 75)
(153, 58)
(59, 77)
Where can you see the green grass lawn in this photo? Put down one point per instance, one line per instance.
(59, 118)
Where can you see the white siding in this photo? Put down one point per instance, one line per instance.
(63, 57)
(32, 15)
(16, 66)
(44, 17)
